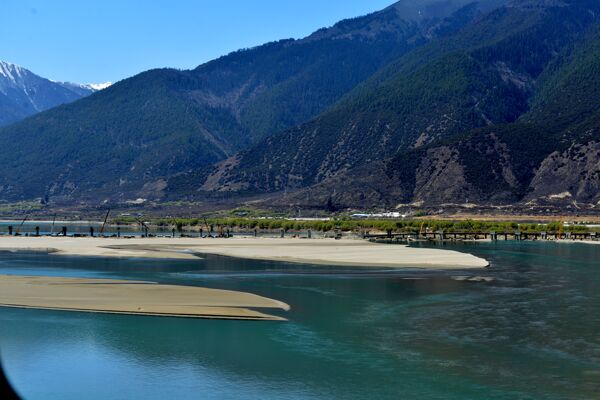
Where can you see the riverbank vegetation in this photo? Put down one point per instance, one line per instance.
(347, 224)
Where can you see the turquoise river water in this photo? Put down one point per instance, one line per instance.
(532, 333)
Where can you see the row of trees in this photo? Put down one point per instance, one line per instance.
(353, 225)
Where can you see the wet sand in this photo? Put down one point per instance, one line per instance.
(132, 297)
(346, 252)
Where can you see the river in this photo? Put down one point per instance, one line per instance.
(532, 333)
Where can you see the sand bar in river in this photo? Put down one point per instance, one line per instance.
(132, 297)
(346, 252)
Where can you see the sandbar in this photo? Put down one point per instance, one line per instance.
(345, 252)
(132, 297)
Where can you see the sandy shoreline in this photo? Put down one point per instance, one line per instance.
(346, 252)
(581, 241)
(132, 297)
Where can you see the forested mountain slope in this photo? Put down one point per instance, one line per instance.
(125, 141)
(469, 117)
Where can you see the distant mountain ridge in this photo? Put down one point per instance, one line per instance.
(131, 138)
(23, 93)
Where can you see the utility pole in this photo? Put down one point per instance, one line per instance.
(104, 223)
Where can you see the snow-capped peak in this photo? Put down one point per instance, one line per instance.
(94, 87)
(28, 93)
(15, 74)
(12, 72)
(91, 87)
(98, 86)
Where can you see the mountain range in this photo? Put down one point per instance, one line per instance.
(23, 93)
(424, 102)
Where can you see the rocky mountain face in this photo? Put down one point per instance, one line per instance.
(23, 93)
(128, 140)
(503, 110)
(549, 155)
(571, 174)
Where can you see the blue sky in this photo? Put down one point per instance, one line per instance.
(90, 41)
